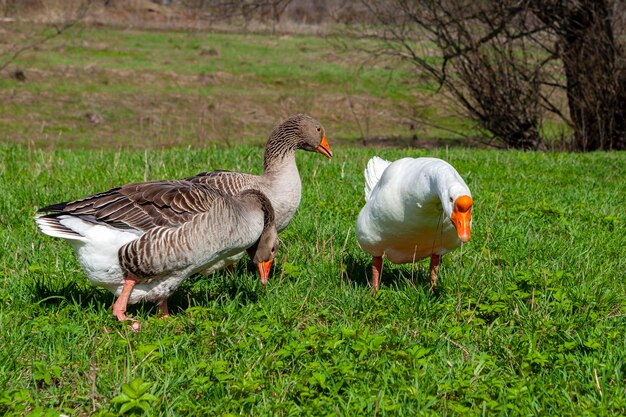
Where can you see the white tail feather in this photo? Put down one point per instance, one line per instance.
(374, 170)
(52, 227)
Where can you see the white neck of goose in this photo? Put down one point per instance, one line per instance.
(448, 186)
(435, 187)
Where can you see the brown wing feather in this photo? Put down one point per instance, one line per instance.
(141, 205)
(229, 182)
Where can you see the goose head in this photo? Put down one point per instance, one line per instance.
(458, 208)
(300, 131)
(313, 136)
(264, 251)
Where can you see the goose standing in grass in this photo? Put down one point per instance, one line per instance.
(280, 180)
(415, 208)
(141, 241)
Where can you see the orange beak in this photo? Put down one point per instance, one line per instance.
(324, 148)
(462, 216)
(264, 271)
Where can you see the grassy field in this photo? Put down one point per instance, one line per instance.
(101, 87)
(531, 314)
(530, 318)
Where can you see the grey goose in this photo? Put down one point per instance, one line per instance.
(141, 240)
(280, 180)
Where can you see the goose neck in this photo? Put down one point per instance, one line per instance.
(280, 147)
(256, 198)
(426, 187)
(276, 161)
(447, 185)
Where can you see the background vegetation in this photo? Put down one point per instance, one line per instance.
(531, 314)
(164, 88)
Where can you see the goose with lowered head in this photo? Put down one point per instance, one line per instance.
(142, 240)
(415, 208)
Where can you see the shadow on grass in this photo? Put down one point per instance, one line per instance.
(395, 276)
(223, 286)
(197, 290)
(52, 291)
(358, 270)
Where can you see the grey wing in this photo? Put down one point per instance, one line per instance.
(229, 182)
(140, 206)
(225, 228)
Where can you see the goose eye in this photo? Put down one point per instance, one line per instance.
(451, 199)
(319, 129)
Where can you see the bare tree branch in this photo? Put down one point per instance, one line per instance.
(12, 54)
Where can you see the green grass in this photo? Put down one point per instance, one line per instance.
(529, 320)
(192, 83)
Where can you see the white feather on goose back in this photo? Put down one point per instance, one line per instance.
(375, 168)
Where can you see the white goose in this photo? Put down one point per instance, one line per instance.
(415, 208)
(140, 241)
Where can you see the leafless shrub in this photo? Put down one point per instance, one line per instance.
(498, 60)
(73, 13)
(477, 61)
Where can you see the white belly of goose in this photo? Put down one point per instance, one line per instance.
(97, 253)
(386, 230)
(97, 249)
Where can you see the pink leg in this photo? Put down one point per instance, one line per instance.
(435, 260)
(119, 307)
(377, 267)
(163, 310)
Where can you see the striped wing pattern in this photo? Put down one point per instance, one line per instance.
(229, 182)
(140, 206)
